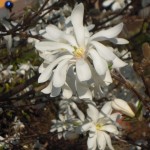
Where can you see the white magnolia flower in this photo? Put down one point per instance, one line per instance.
(78, 48)
(24, 67)
(99, 125)
(116, 4)
(65, 127)
(8, 71)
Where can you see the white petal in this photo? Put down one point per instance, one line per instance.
(122, 106)
(107, 79)
(56, 34)
(91, 142)
(71, 79)
(83, 91)
(66, 91)
(55, 91)
(59, 135)
(108, 140)
(101, 141)
(118, 63)
(106, 110)
(59, 76)
(110, 128)
(48, 71)
(42, 67)
(115, 116)
(49, 46)
(8, 39)
(106, 3)
(108, 33)
(86, 127)
(48, 56)
(93, 113)
(99, 63)
(48, 89)
(53, 32)
(77, 22)
(116, 6)
(83, 70)
(104, 51)
(119, 41)
(78, 111)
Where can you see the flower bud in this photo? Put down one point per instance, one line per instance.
(122, 106)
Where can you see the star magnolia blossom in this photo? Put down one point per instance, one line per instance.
(99, 125)
(78, 47)
(65, 127)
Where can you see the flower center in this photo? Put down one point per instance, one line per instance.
(98, 126)
(78, 52)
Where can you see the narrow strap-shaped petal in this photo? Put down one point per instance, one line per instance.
(101, 141)
(59, 76)
(77, 22)
(108, 33)
(99, 63)
(93, 113)
(108, 140)
(119, 41)
(92, 143)
(106, 110)
(49, 46)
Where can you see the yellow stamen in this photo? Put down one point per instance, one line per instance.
(98, 126)
(78, 52)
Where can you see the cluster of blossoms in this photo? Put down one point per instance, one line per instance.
(23, 69)
(116, 4)
(77, 65)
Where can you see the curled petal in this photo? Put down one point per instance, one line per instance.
(46, 74)
(108, 33)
